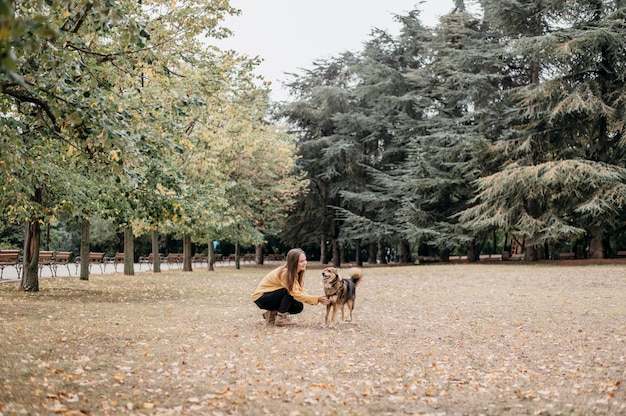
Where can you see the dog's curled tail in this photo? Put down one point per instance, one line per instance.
(356, 275)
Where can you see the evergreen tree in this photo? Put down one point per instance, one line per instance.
(566, 125)
(325, 156)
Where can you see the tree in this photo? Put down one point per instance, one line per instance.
(70, 90)
(564, 115)
(328, 155)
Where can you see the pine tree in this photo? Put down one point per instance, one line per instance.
(324, 156)
(565, 125)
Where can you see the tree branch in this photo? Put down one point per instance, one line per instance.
(24, 97)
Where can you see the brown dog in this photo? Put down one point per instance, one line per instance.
(340, 291)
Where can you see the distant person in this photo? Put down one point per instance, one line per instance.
(281, 292)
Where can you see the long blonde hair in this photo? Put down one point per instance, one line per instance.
(291, 267)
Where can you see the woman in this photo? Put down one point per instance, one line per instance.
(281, 291)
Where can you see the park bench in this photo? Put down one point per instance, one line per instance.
(248, 257)
(114, 260)
(231, 257)
(490, 257)
(149, 260)
(199, 258)
(218, 257)
(61, 258)
(274, 257)
(458, 258)
(567, 255)
(512, 257)
(175, 258)
(46, 259)
(10, 258)
(621, 253)
(94, 259)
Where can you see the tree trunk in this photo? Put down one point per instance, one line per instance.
(532, 208)
(211, 256)
(444, 255)
(357, 248)
(405, 252)
(129, 251)
(336, 254)
(472, 252)
(30, 270)
(336, 248)
(258, 254)
(595, 244)
(237, 262)
(606, 246)
(156, 259)
(323, 249)
(187, 253)
(84, 250)
(372, 253)
(48, 225)
(531, 252)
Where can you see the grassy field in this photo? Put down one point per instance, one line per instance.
(496, 339)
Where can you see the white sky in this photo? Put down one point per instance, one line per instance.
(290, 34)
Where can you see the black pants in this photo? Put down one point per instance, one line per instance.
(281, 301)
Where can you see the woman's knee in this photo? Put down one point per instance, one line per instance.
(296, 307)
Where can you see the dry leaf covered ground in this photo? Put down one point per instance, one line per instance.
(428, 340)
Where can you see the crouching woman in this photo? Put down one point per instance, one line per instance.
(281, 292)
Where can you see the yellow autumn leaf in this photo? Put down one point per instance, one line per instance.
(114, 155)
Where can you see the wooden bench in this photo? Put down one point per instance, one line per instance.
(621, 253)
(149, 260)
(249, 257)
(10, 258)
(218, 257)
(46, 259)
(567, 255)
(175, 258)
(94, 259)
(231, 257)
(457, 258)
(274, 257)
(199, 258)
(490, 257)
(61, 258)
(114, 260)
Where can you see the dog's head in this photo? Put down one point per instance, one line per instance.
(330, 274)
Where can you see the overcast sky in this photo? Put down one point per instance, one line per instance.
(290, 34)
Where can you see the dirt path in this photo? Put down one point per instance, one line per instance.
(429, 340)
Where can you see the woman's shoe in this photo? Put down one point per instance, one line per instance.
(270, 317)
(283, 319)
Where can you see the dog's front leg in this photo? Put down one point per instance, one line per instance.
(327, 312)
(334, 315)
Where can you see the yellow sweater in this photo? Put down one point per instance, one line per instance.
(277, 279)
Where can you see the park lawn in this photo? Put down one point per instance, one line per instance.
(492, 339)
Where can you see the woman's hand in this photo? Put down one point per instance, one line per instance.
(324, 300)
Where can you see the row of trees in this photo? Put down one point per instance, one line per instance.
(124, 110)
(510, 119)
